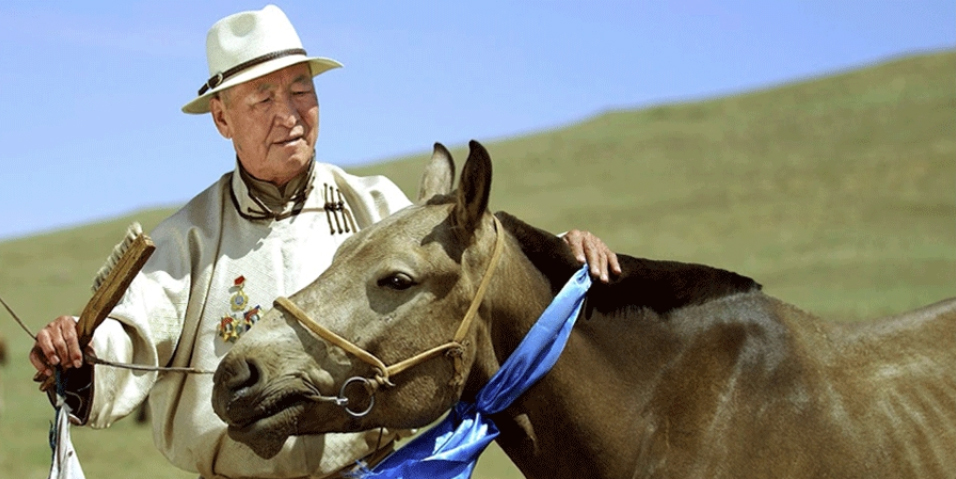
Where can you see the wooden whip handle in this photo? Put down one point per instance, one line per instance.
(110, 292)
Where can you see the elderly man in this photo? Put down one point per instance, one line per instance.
(264, 230)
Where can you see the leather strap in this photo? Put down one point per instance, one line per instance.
(218, 78)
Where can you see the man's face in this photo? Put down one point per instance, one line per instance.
(273, 122)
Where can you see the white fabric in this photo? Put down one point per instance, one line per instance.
(171, 313)
(65, 463)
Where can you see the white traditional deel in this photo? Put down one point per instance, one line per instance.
(276, 258)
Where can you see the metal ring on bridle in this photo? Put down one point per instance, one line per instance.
(371, 396)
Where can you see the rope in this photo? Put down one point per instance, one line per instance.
(138, 367)
(17, 318)
(94, 360)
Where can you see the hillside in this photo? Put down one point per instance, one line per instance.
(838, 194)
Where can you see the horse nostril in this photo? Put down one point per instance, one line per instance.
(238, 375)
(252, 378)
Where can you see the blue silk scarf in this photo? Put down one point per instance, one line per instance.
(450, 450)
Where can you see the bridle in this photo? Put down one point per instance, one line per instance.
(453, 349)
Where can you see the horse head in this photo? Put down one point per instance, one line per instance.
(380, 339)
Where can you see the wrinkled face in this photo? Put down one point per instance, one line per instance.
(273, 122)
(395, 289)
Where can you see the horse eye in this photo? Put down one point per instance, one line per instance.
(397, 281)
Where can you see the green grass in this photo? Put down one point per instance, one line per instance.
(838, 194)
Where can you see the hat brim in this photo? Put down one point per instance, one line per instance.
(318, 66)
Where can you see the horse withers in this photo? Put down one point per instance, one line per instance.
(672, 370)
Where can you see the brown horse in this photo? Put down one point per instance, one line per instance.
(673, 370)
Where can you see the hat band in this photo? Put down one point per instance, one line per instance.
(218, 78)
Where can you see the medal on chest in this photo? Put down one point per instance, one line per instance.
(241, 317)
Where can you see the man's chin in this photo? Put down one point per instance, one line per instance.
(299, 150)
(297, 162)
(283, 168)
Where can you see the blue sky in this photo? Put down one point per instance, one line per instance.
(90, 92)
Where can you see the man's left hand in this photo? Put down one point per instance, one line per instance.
(587, 247)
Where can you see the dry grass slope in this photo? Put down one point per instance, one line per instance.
(838, 194)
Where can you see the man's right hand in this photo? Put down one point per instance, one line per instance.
(57, 345)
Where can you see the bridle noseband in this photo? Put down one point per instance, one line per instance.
(453, 349)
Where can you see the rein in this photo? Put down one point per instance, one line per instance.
(454, 348)
(89, 358)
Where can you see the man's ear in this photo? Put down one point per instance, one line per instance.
(218, 110)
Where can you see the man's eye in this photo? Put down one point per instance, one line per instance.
(397, 281)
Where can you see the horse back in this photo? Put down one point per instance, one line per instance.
(895, 380)
(763, 389)
(868, 399)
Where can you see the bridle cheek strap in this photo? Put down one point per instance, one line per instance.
(454, 348)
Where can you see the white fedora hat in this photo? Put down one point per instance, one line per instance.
(248, 45)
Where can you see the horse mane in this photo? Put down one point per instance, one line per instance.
(662, 286)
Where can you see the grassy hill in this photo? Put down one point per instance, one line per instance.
(838, 194)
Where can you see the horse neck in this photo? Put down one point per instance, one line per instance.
(542, 432)
(599, 401)
(601, 398)
(518, 295)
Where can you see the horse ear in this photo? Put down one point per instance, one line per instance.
(439, 174)
(473, 188)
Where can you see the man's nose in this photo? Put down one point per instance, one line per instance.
(287, 114)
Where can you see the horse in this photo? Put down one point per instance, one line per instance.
(672, 369)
